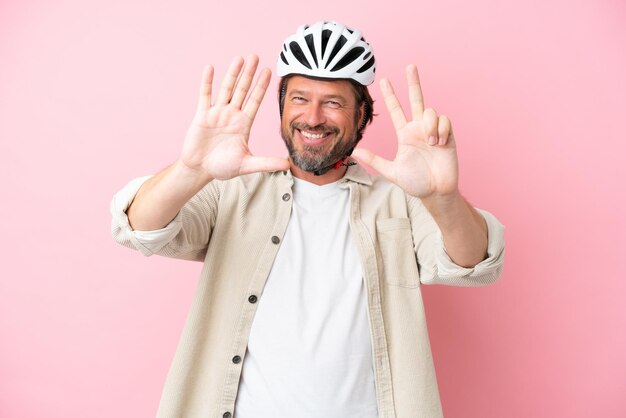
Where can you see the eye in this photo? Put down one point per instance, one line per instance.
(298, 100)
(333, 104)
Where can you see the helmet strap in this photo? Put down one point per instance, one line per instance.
(341, 163)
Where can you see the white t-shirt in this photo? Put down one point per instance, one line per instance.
(309, 353)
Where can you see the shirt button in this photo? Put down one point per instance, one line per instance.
(252, 299)
(275, 239)
(236, 359)
(286, 197)
(227, 415)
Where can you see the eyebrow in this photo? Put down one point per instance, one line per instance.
(325, 97)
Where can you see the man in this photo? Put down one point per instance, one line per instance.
(309, 304)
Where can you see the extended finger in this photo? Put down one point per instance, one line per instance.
(416, 97)
(252, 164)
(257, 94)
(204, 99)
(444, 129)
(245, 81)
(393, 105)
(226, 90)
(431, 123)
(383, 166)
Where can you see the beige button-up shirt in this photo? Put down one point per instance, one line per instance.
(236, 228)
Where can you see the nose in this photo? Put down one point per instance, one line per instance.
(314, 114)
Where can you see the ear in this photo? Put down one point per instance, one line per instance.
(362, 121)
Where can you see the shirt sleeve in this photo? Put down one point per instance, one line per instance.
(146, 242)
(487, 271)
(436, 266)
(185, 237)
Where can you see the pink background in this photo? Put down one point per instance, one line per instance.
(93, 94)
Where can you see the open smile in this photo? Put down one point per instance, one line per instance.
(313, 138)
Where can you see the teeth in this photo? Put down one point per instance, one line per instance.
(312, 136)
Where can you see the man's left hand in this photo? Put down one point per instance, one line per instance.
(426, 163)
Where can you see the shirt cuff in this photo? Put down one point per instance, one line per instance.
(495, 252)
(146, 242)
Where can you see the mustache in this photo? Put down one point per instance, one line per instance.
(316, 128)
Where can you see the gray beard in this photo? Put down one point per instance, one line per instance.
(310, 159)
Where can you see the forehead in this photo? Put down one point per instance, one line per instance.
(341, 88)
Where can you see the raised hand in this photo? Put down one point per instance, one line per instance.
(426, 162)
(216, 144)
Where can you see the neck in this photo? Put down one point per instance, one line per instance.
(328, 177)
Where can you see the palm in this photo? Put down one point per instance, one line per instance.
(420, 168)
(217, 140)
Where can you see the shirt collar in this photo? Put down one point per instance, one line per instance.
(357, 174)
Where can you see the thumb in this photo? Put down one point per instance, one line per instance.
(253, 164)
(383, 166)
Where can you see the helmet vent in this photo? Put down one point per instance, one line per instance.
(340, 42)
(282, 57)
(367, 66)
(349, 58)
(311, 45)
(297, 52)
(325, 37)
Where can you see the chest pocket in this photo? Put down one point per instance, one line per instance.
(399, 263)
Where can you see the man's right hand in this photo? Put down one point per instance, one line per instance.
(216, 146)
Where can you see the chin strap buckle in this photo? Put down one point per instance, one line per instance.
(343, 163)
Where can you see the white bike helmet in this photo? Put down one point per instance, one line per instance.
(328, 50)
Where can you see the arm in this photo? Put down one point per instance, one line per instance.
(185, 237)
(463, 229)
(426, 166)
(434, 262)
(215, 147)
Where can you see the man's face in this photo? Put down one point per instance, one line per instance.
(319, 121)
